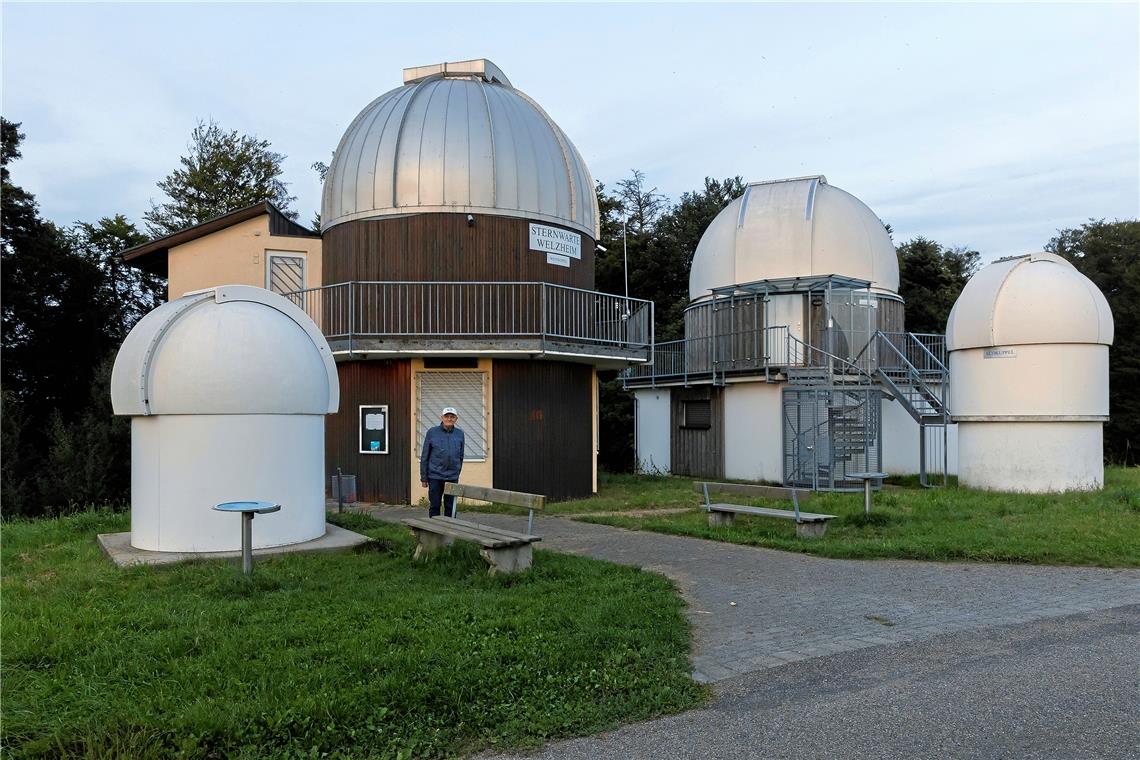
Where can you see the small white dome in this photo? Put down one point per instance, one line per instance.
(229, 350)
(1036, 298)
(793, 228)
(457, 137)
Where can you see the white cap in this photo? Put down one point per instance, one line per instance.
(449, 410)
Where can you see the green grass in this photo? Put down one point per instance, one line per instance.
(1101, 528)
(355, 654)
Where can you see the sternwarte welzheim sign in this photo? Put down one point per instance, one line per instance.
(559, 245)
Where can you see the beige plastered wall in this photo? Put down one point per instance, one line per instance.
(237, 255)
(475, 473)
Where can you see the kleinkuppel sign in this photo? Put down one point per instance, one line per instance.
(558, 245)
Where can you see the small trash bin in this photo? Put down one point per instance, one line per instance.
(344, 484)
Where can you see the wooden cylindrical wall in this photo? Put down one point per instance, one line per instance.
(444, 247)
(543, 428)
(379, 477)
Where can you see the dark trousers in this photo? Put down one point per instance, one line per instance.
(435, 495)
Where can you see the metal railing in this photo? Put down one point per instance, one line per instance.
(486, 310)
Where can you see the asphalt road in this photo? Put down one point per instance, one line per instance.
(1063, 687)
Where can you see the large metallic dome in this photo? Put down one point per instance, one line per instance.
(457, 137)
(798, 227)
(1037, 298)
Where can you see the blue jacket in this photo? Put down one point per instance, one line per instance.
(442, 457)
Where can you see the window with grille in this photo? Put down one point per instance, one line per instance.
(284, 273)
(467, 392)
(696, 414)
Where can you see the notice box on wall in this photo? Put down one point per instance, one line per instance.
(374, 429)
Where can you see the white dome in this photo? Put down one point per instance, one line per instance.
(1037, 298)
(229, 350)
(793, 228)
(457, 137)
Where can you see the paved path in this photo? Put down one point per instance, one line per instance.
(1056, 688)
(792, 607)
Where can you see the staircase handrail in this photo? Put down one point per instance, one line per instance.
(938, 365)
(845, 362)
(916, 377)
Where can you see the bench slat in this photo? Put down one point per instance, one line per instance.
(786, 514)
(446, 526)
(744, 489)
(490, 529)
(497, 495)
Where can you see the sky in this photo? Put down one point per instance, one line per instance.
(990, 126)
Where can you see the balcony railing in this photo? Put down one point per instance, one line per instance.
(767, 350)
(423, 317)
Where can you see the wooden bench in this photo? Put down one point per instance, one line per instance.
(808, 524)
(505, 551)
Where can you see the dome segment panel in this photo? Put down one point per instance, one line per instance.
(1037, 298)
(846, 234)
(229, 350)
(460, 139)
(798, 227)
(714, 262)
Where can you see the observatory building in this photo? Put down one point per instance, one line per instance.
(1028, 340)
(796, 366)
(193, 375)
(454, 267)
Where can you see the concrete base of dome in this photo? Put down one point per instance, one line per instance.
(117, 546)
(1031, 457)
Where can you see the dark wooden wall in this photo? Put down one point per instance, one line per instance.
(379, 477)
(442, 247)
(697, 453)
(543, 428)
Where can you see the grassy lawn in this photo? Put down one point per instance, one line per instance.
(357, 654)
(954, 523)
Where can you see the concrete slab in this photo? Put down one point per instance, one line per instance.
(118, 547)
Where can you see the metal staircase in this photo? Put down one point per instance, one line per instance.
(920, 381)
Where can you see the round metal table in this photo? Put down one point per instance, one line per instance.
(247, 509)
(868, 479)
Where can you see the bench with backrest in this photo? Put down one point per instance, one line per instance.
(808, 524)
(504, 550)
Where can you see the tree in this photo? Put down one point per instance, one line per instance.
(1108, 253)
(930, 278)
(661, 240)
(224, 171)
(664, 273)
(127, 292)
(55, 332)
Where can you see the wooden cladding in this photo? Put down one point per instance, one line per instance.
(698, 451)
(444, 247)
(543, 428)
(379, 477)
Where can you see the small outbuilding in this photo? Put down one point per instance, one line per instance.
(227, 390)
(1028, 340)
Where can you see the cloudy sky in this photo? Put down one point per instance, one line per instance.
(987, 125)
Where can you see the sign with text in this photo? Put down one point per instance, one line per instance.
(557, 260)
(999, 353)
(554, 240)
(374, 429)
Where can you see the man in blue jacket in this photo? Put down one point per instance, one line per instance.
(441, 460)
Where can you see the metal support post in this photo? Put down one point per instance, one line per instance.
(247, 543)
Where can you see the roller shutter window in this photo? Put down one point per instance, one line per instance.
(697, 415)
(284, 273)
(467, 392)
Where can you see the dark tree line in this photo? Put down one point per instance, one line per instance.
(68, 301)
